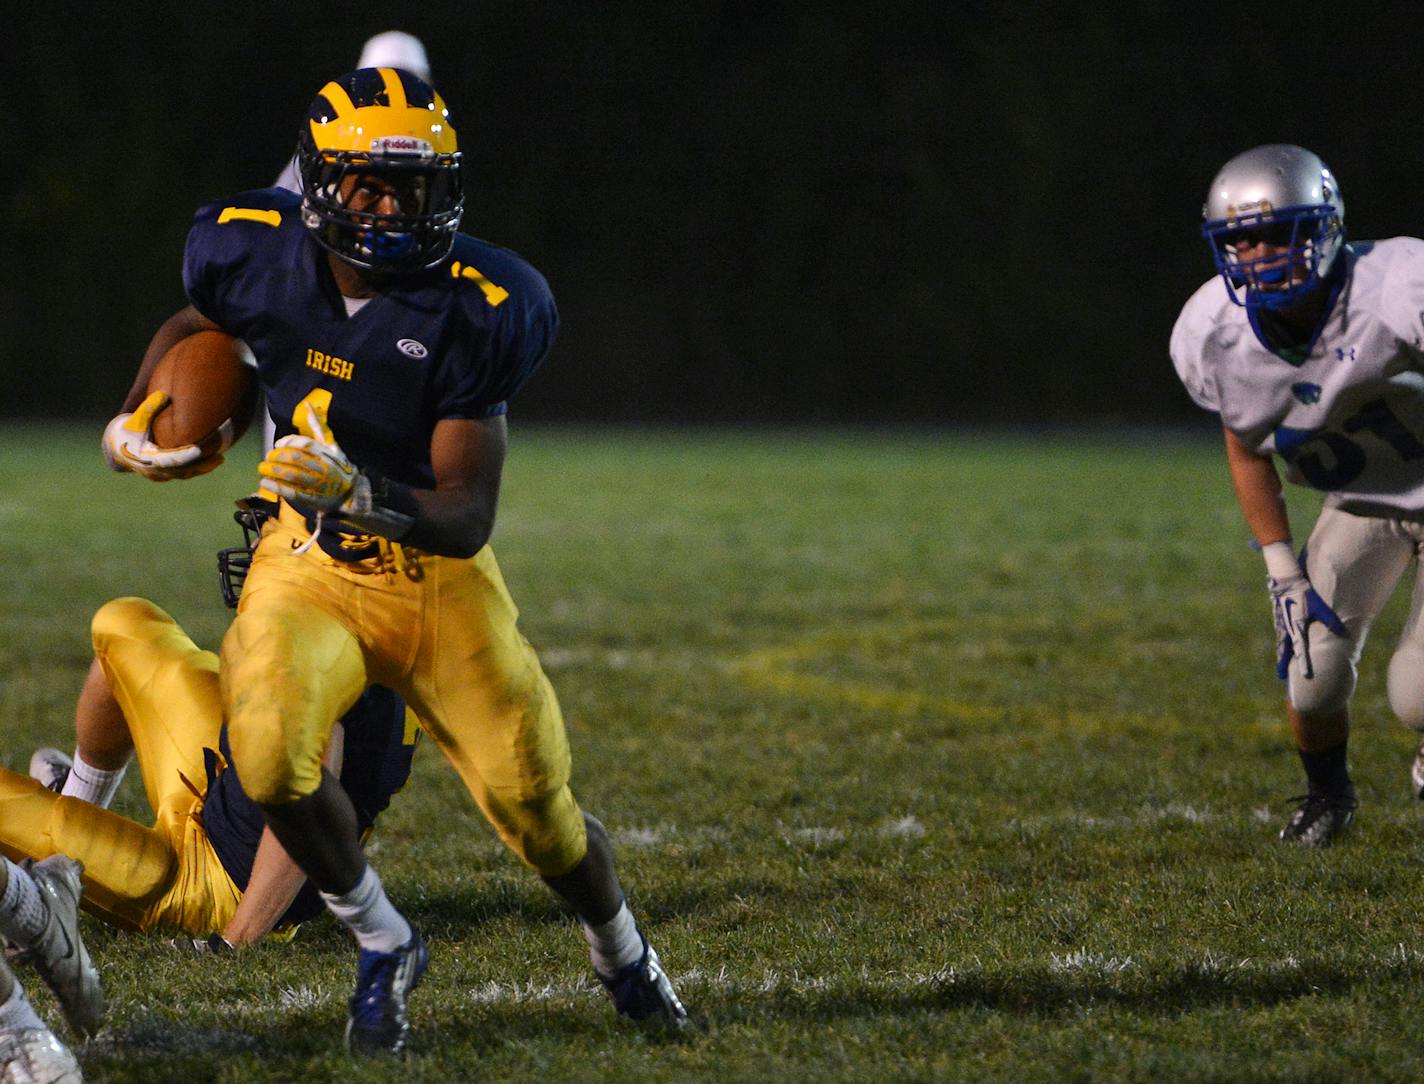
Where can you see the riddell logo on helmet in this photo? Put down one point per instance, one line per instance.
(399, 145)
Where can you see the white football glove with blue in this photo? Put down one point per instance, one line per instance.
(128, 446)
(1295, 606)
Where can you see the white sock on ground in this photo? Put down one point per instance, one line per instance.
(368, 914)
(17, 1012)
(91, 784)
(23, 911)
(614, 944)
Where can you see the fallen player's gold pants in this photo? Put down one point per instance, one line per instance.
(137, 877)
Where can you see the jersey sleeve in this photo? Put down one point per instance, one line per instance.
(521, 330)
(223, 241)
(1188, 345)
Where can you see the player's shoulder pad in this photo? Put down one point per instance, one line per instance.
(1207, 308)
(1390, 277)
(259, 218)
(1203, 313)
(494, 277)
(1394, 255)
(269, 207)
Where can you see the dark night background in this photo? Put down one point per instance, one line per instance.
(904, 212)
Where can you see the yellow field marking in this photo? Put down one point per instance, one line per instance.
(776, 670)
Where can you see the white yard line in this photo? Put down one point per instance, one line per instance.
(696, 981)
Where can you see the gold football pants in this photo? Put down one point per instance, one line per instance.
(312, 632)
(167, 875)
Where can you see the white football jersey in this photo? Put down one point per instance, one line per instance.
(1348, 420)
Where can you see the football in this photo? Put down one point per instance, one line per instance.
(213, 387)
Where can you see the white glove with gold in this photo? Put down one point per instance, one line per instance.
(313, 475)
(316, 477)
(128, 446)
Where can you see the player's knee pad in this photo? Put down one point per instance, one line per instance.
(278, 716)
(1406, 685)
(270, 773)
(273, 768)
(546, 832)
(1332, 680)
(126, 617)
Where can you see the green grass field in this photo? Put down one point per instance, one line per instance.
(930, 757)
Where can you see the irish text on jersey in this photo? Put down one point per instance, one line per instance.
(332, 366)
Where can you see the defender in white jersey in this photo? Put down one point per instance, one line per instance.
(1312, 350)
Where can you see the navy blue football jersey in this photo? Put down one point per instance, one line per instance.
(455, 341)
(375, 763)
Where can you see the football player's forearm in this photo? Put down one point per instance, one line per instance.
(275, 879)
(180, 325)
(456, 518)
(273, 885)
(449, 524)
(1258, 491)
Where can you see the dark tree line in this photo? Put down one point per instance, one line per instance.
(919, 212)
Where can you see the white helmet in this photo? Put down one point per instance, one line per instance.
(396, 49)
(1287, 197)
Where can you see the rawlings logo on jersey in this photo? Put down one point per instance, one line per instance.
(411, 348)
(331, 366)
(1306, 392)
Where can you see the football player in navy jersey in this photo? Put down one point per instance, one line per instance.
(388, 346)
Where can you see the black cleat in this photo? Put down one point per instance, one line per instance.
(1320, 818)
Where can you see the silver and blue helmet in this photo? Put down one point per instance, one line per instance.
(1287, 197)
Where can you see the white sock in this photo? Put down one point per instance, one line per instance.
(614, 944)
(23, 911)
(91, 784)
(367, 913)
(17, 1012)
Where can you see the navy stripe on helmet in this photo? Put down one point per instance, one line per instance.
(418, 93)
(365, 86)
(321, 111)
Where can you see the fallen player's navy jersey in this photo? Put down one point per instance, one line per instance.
(453, 342)
(375, 763)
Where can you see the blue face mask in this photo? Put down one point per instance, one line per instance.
(1306, 238)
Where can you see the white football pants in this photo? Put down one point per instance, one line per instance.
(1355, 563)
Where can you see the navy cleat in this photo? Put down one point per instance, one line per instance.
(384, 980)
(643, 992)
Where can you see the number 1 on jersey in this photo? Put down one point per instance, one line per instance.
(310, 416)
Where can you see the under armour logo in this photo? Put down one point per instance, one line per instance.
(1344, 353)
